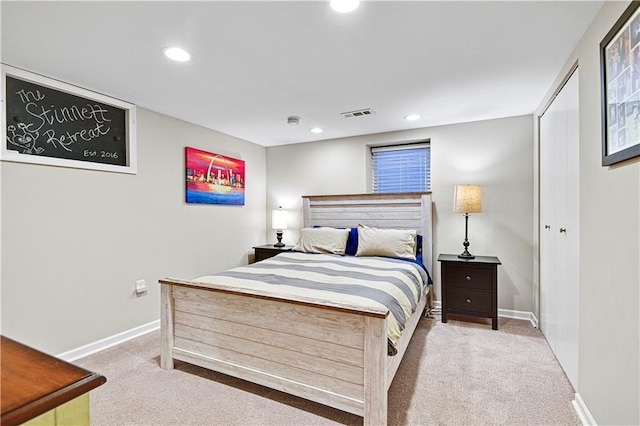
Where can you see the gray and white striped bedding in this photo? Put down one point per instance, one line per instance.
(368, 282)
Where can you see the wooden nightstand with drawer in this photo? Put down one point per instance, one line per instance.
(470, 286)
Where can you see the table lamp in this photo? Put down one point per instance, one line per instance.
(279, 222)
(467, 199)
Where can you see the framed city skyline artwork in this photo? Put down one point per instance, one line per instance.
(213, 178)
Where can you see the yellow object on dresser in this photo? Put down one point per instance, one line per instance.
(74, 412)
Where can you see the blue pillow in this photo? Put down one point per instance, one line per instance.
(352, 242)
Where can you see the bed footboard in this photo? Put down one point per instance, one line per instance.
(334, 356)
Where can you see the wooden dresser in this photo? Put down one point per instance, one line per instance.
(40, 389)
(470, 286)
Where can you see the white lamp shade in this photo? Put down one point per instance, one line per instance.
(279, 219)
(467, 199)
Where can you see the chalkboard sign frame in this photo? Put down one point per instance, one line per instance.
(48, 83)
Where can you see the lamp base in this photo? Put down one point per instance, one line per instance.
(279, 237)
(466, 255)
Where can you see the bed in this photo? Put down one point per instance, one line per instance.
(329, 350)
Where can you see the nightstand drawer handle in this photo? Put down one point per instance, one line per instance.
(468, 278)
(468, 300)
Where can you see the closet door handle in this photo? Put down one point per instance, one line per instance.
(547, 227)
(563, 230)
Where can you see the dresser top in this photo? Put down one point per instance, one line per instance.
(34, 382)
(478, 259)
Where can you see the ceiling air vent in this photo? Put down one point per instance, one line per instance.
(358, 113)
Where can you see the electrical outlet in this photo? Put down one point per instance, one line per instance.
(141, 287)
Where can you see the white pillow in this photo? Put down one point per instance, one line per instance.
(322, 240)
(386, 242)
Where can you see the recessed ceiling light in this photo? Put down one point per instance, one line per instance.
(344, 6)
(316, 130)
(412, 117)
(177, 54)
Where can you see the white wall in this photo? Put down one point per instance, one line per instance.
(609, 351)
(75, 241)
(498, 154)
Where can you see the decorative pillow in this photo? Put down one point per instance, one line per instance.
(322, 240)
(352, 242)
(386, 242)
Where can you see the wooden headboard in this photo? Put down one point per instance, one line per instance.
(402, 210)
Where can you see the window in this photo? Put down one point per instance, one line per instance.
(401, 168)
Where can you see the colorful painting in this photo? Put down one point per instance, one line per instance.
(213, 178)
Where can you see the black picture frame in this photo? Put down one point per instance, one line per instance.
(620, 87)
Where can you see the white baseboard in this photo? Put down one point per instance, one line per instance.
(583, 412)
(507, 313)
(108, 342)
(523, 315)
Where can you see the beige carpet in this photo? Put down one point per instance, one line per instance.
(459, 373)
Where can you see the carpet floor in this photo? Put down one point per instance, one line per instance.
(459, 373)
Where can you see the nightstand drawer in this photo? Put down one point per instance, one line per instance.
(469, 277)
(462, 299)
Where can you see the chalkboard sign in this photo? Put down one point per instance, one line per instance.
(45, 121)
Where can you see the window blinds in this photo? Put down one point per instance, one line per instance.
(401, 168)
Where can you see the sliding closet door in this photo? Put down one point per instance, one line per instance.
(560, 225)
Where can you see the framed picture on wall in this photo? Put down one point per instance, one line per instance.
(213, 178)
(46, 121)
(620, 75)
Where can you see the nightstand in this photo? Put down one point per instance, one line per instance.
(470, 286)
(268, 250)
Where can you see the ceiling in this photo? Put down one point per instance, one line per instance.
(256, 63)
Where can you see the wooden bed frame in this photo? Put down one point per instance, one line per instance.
(331, 353)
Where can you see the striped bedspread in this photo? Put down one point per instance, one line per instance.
(368, 282)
